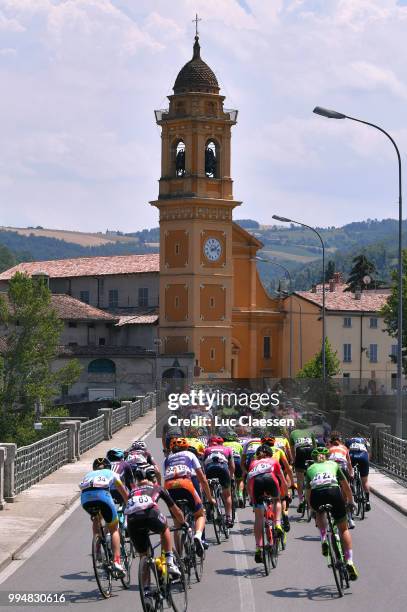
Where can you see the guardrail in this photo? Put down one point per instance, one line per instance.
(20, 468)
(392, 454)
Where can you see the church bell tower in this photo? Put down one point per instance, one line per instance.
(195, 203)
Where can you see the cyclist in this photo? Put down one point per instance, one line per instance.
(123, 469)
(359, 455)
(279, 455)
(144, 515)
(183, 476)
(97, 500)
(265, 477)
(325, 483)
(302, 442)
(138, 454)
(169, 433)
(196, 446)
(339, 453)
(231, 439)
(249, 449)
(218, 463)
(282, 442)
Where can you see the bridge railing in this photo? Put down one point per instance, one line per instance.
(20, 468)
(392, 454)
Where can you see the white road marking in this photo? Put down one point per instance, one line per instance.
(28, 552)
(247, 603)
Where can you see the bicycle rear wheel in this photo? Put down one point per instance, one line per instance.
(266, 548)
(101, 563)
(178, 588)
(361, 499)
(127, 554)
(217, 522)
(198, 563)
(335, 562)
(149, 587)
(274, 548)
(185, 554)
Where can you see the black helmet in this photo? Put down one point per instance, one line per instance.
(115, 454)
(265, 449)
(145, 472)
(101, 463)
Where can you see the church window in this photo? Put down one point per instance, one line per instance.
(211, 160)
(180, 159)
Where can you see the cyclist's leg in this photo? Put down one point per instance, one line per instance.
(317, 499)
(255, 489)
(363, 462)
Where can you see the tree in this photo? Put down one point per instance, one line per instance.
(329, 271)
(7, 259)
(29, 344)
(361, 267)
(390, 310)
(313, 367)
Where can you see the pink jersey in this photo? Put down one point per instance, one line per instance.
(218, 454)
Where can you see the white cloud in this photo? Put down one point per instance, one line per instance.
(80, 79)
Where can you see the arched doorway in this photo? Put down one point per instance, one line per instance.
(173, 380)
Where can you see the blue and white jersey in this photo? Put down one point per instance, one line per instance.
(99, 479)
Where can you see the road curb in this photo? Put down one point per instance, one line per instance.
(17, 554)
(388, 501)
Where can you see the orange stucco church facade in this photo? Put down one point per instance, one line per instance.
(212, 302)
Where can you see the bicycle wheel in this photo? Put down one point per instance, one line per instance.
(185, 555)
(222, 513)
(127, 554)
(101, 565)
(216, 521)
(177, 588)
(198, 564)
(361, 499)
(308, 511)
(335, 561)
(149, 586)
(266, 547)
(274, 548)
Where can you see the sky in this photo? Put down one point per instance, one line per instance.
(80, 80)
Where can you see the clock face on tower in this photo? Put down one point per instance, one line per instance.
(212, 249)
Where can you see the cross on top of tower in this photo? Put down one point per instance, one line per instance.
(196, 24)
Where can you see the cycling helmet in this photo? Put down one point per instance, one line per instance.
(145, 472)
(269, 440)
(264, 449)
(115, 454)
(231, 436)
(320, 450)
(138, 445)
(101, 463)
(178, 444)
(215, 440)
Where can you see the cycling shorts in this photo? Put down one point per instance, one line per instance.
(261, 485)
(302, 454)
(140, 523)
(362, 461)
(216, 470)
(100, 500)
(329, 495)
(183, 488)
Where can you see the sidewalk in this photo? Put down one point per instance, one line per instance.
(388, 490)
(35, 509)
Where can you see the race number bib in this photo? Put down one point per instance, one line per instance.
(139, 503)
(338, 457)
(177, 471)
(96, 482)
(323, 479)
(260, 468)
(303, 442)
(215, 457)
(359, 447)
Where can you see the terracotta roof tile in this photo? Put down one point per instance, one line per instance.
(88, 266)
(370, 301)
(71, 309)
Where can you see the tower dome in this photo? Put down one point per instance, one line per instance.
(196, 75)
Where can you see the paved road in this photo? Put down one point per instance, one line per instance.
(232, 581)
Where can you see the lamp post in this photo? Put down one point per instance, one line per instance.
(286, 220)
(274, 263)
(331, 114)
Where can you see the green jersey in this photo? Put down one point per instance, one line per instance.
(302, 437)
(323, 475)
(236, 447)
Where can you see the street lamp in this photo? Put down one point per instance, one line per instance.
(274, 263)
(286, 220)
(331, 114)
